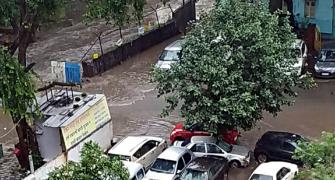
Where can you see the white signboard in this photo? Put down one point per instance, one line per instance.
(58, 71)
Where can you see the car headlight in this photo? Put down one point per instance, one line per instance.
(316, 68)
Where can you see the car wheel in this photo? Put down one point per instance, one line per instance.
(235, 164)
(262, 157)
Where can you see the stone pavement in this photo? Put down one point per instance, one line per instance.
(9, 166)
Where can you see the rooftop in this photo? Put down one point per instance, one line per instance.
(61, 107)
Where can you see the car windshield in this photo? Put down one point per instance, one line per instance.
(191, 174)
(327, 55)
(260, 177)
(122, 157)
(225, 146)
(169, 55)
(164, 166)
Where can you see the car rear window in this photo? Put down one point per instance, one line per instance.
(164, 166)
(169, 55)
(191, 174)
(260, 177)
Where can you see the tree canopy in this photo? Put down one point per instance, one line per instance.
(17, 89)
(93, 165)
(236, 63)
(25, 16)
(318, 157)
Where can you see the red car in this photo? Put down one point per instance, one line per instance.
(179, 133)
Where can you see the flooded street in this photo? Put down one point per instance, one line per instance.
(135, 107)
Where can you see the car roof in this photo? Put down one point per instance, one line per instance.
(280, 136)
(175, 46)
(271, 168)
(132, 167)
(129, 145)
(205, 163)
(206, 139)
(173, 153)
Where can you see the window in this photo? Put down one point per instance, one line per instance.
(211, 148)
(140, 174)
(187, 158)
(148, 146)
(282, 173)
(198, 148)
(310, 8)
(181, 164)
(288, 147)
(164, 166)
(214, 170)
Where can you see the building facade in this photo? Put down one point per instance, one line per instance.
(318, 12)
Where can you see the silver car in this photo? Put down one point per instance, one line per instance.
(170, 55)
(325, 66)
(238, 156)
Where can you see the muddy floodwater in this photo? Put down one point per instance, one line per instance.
(135, 107)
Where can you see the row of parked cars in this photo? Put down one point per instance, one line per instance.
(200, 156)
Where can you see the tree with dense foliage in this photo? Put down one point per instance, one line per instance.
(138, 6)
(93, 165)
(318, 157)
(17, 92)
(112, 11)
(24, 18)
(236, 63)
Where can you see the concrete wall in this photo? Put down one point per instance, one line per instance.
(324, 15)
(43, 172)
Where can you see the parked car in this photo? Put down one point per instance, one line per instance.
(300, 49)
(170, 55)
(325, 66)
(180, 133)
(206, 168)
(275, 171)
(278, 146)
(238, 156)
(139, 149)
(136, 171)
(170, 164)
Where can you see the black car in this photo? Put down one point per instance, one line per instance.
(277, 146)
(206, 168)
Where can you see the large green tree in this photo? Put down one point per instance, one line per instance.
(319, 158)
(93, 165)
(112, 11)
(17, 92)
(236, 63)
(24, 18)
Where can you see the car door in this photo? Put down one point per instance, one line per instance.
(180, 167)
(213, 149)
(146, 154)
(198, 149)
(287, 150)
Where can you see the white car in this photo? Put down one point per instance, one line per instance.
(170, 55)
(140, 149)
(136, 171)
(170, 164)
(238, 156)
(275, 170)
(300, 48)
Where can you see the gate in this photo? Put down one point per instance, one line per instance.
(72, 71)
